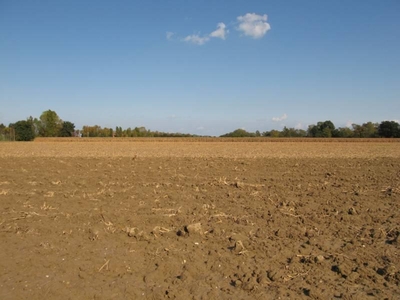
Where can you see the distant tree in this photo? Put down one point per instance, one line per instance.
(327, 128)
(322, 129)
(389, 129)
(3, 132)
(312, 130)
(23, 131)
(91, 131)
(128, 132)
(292, 132)
(258, 133)
(274, 133)
(50, 124)
(140, 131)
(67, 129)
(343, 132)
(366, 130)
(239, 133)
(357, 130)
(370, 130)
(150, 133)
(36, 124)
(118, 131)
(285, 132)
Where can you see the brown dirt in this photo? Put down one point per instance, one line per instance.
(199, 221)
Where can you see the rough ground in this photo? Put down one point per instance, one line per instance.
(206, 222)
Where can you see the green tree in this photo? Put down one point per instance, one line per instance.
(140, 131)
(23, 131)
(343, 132)
(239, 133)
(366, 130)
(3, 132)
(50, 124)
(389, 129)
(357, 130)
(36, 124)
(322, 129)
(274, 133)
(370, 130)
(312, 130)
(327, 128)
(67, 129)
(292, 132)
(118, 131)
(285, 132)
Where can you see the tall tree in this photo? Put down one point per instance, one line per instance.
(389, 129)
(23, 131)
(322, 129)
(366, 130)
(50, 124)
(343, 132)
(67, 129)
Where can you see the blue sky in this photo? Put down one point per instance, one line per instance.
(203, 67)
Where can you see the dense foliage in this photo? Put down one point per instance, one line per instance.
(326, 129)
(389, 129)
(50, 124)
(23, 131)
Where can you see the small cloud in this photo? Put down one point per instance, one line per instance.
(253, 25)
(200, 128)
(196, 39)
(349, 124)
(220, 32)
(169, 35)
(299, 126)
(279, 119)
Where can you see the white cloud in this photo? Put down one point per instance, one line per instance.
(196, 39)
(220, 32)
(278, 119)
(349, 124)
(253, 25)
(169, 35)
(299, 126)
(200, 128)
(250, 24)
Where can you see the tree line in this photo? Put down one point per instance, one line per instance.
(98, 131)
(49, 124)
(326, 129)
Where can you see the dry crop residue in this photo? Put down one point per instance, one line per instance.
(187, 222)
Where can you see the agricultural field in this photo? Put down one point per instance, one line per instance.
(193, 219)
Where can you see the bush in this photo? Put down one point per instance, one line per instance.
(23, 131)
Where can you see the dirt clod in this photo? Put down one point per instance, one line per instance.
(194, 229)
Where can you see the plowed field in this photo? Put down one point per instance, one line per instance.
(193, 220)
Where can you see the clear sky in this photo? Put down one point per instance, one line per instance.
(201, 67)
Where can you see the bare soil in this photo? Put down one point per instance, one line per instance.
(199, 221)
